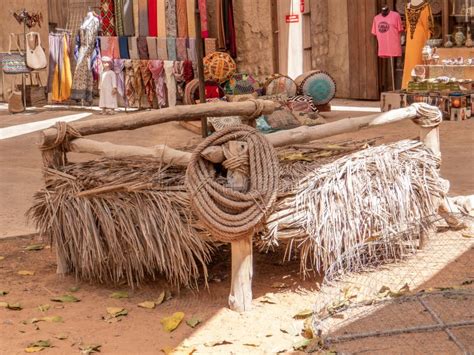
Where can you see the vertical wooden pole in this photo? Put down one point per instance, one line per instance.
(200, 66)
(240, 298)
(430, 137)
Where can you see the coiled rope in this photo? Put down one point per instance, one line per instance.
(230, 215)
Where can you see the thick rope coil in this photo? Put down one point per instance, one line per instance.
(65, 132)
(230, 215)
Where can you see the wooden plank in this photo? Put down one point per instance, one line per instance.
(240, 298)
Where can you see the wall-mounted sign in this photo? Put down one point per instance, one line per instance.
(302, 6)
(292, 18)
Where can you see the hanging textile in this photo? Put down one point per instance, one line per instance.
(119, 66)
(161, 18)
(152, 18)
(133, 48)
(118, 15)
(170, 83)
(135, 17)
(162, 48)
(181, 50)
(66, 74)
(129, 84)
(142, 48)
(143, 17)
(178, 72)
(210, 45)
(152, 51)
(138, 81)
(220, 34)
(128, 27)
(53, 70)
(148, 84)
(190, 8)
(82, 83)
(203, 12)
(171, 30)
(107, 17)
(59, 75)
(123, 46)
(109, 46)
(191, 44)
(182, 18)
(171, 46)
(157, 70)
(229, 28)
(188, 72)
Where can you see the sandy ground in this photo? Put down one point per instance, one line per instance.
(269, 328)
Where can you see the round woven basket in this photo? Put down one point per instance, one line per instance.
(278, 84)
(191, 91)
(317, 84)
(219, 66)
(240, 84)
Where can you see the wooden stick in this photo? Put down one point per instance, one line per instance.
(149, 118)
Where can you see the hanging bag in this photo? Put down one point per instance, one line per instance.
(14, 63)
(35, 57)
(35, 93)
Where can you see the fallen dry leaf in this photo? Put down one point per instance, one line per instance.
(3, 293)
(119, 294)
(269, 298)
(2, 257)
(35, 247)
(26, 273)
(303, 314)
(65, 299)
(160, 298)
(3, 304)
(89, 349)
(147, 304)
(44, 307)
(193, 322)
(210, 344)
(38, 346)
(74, 289)
(14, 306)
(171, 323)
(61, 336)
(302, 344)
(117, 311)
(308, 329)
(53, 319)
(279, 285)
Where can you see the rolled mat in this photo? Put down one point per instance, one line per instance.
(218, 66)
(317, 84)
(280, 84)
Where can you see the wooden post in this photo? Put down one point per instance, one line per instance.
(200, 66)
(430, 137)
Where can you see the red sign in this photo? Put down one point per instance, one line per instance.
(292, 18)
(302, 6)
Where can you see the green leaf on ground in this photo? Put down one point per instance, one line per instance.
(35, 247)
(147, 305)
(119, 294)
(303, 314)
(89, 349)
(171, 323)
(193, 322)
(65, 299)
(43, 307)
(26, 273)
(3, 293)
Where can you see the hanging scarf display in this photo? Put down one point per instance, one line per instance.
(157, 71)
(229, 28)
(152, 51)
(191, 47)
(118, 15)
(188, 71)
(171, 30)
(128, 26)
(107, 17)
(142, 48)
(161, 18)
(135, 17)
(138, 81)
(147, 79)
(152, 18)
(109, 46)
(171, 46)
(123, 46)
(203, 12)
(181, 51)
(162, 48)
(220, 34)
(182, 18)
(119, 66)
(170, 83)
(178, 72)
(130, 88)
(143, 17)
(133, 48)
(191, 19)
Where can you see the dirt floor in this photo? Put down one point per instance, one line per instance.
(269, 328)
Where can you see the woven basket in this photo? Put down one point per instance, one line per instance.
(278, 84)
(241, 83)
(191, 91)
(218, 66)
(317, 84)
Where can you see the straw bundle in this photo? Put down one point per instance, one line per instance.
(131, 219)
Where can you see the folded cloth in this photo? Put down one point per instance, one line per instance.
(171, 30)
(143, 17)
(152, 18)
(181, 50)
(142, 48)
(109, 47)
(162, 48)
(152, 51)
(133, 48)
(123, 45)
(161, 10)
(191, 48)
(171, 45)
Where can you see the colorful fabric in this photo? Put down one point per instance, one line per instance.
(203, 12)
(162, 48)
(123, 46)
(60, 76)
(142, 48)
(148, 83)
(128, 26)
(191, 47)
(152, 18)
(83, 81)
(182, 18)
(178, 72)
(158, 74)
(135, 16)
(171, 46)
(107, 17)
(133, 48)
(170, 83)
(210, 46)
(129, 84)
(109, 46)
(136, 64)
(161, 18)
(118, 15)
(181, 50)
(191, 18)
(143, 17)
(119, 65)
(188, 72)
(388, 29)
(171, 30)
(152, 51)
(229, 28)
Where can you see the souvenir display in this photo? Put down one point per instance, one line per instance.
(241, 83)
(219, 66)
(279, 84)
(14, 63)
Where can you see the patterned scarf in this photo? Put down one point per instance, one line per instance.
(147, 79)
(171, 46)
(138, 81)
(178, 71)
(119, 65)
(182, 17)
(162, 48)
(188, 72)
(130, 88)
(142, 48)
(181, 51)
(170, 83)
(107, 15)
(157, 71)
(203, 12)
(118, 12)
(171, 30)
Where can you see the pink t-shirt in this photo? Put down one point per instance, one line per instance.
(388, 29)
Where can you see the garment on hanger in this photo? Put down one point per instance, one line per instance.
(148, 84)
(170, 82)
(142, 48)
(158, 73)
(109, 47)
(171, 46)
(181, 50)
(59, 75)
(152, 18)
(171, 28)
(143, 17)
(86, 50)
(182, 18)
(123, 46)
(133, 48)
(152, 51)
(162, 48)
(118, 15)
(128, 26)
(419, 27)
(107, 17)
(388, 29)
